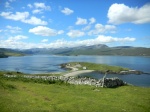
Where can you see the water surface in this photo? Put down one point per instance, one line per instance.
(51, 63)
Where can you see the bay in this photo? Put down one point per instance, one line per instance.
(37, 64)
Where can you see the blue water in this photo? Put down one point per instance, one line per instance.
(51, 63)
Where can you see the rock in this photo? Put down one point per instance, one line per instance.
(104, 82)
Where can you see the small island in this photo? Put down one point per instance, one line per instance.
(101, 68)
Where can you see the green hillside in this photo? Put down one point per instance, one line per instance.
(4, 53)
(109, 51)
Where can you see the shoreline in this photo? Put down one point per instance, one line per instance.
(76, 73)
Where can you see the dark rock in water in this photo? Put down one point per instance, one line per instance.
(131, 72)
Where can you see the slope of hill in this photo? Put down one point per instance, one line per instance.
(4, 53)
(124, 51)
(93, 50)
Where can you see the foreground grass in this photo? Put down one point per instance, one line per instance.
(18, 95)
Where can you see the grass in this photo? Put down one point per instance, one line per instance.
(99, 67)
(18, 95)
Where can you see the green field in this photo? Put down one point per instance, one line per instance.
(28, 96)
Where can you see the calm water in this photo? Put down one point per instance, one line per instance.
(50, 63)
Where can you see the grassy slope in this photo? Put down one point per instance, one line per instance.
(38, 97)
(10, 52)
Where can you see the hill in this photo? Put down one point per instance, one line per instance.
(4, 53)
(102, 50)
(99, 49)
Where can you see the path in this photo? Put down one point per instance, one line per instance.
(75, 73)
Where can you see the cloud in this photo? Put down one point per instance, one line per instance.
(12, 29)
(16, 38)
(81, 21)
(109, 39)
(120, 13)
(23, 17)
(44, 40)
(30, 6)
(41, 6)
(7, 4)
(86, 28)
(36, 11)
(1, 30)
(45, 31)
(19, 16)
(99, 28)
(92, 20)
(13, 42)
(34, 21)
(75, 33)
(67, 11)
(60, 32)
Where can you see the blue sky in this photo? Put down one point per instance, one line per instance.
(28, 24)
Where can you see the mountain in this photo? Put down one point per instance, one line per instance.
(99, 49)
(4, 53)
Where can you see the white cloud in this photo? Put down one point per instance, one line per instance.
(35, 21)
(81, 21)
(86, 28)
(13, 29)
(16, 38)
(39, 8)
(120, 13)
(36, 11)
(67, 11)
(101, 39)
(30, 6)
(45, 31)
(109, 39)
(60, 32)
(99, 28)
(75, 33)
(42, 6)
(7, 4)
(44, 40)
(18, 16)
(23, 17)
(92, 20)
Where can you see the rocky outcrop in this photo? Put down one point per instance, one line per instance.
(110, 82)
(104, 82)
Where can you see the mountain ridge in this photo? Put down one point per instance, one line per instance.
(99, 49)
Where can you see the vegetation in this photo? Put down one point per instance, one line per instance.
(98, 67)
(28, 96)
(108, 51)
(4, 53)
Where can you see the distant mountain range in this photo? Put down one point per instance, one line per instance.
(99, 49)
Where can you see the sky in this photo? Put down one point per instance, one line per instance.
(26, 24)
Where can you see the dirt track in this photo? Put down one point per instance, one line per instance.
(75, 73)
